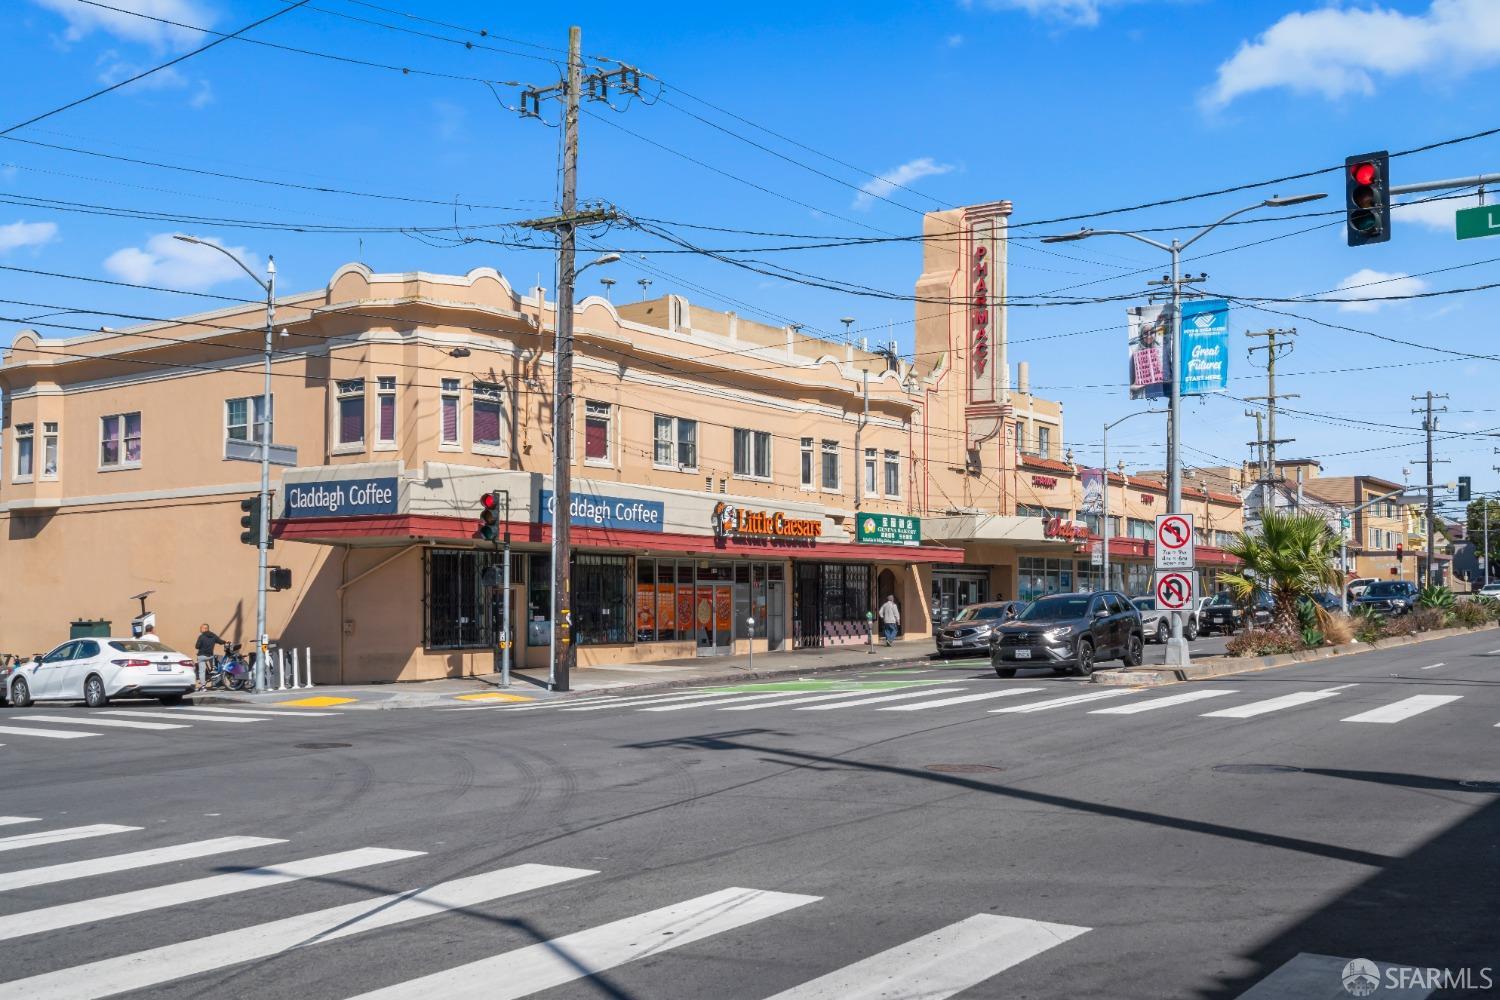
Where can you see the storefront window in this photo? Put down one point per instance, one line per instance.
(1094, 522)
(657, 602)
(830, 603)
(602, 613)
(1040, 577)
(539, 601)
(458, 604)
(1138, 579)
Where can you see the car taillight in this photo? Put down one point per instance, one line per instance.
(131, 663)
(185, 663)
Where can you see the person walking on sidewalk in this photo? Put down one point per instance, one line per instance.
(207, 640)
(890, 619)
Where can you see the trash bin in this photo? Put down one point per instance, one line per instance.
(86, 628)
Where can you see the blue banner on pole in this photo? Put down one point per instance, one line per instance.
(593, 510)
(1205, 347)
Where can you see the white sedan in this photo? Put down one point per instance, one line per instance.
(95, 670)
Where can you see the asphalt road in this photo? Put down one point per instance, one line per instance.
(961, 836)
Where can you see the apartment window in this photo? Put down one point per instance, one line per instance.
(120, 440)
(1375, 538)
(351, 409)
(807, 463)
(830, 464)
(1139, 528)
(449, 408)
(675, 443)
(385, 410)
(752, 453)
(489, 415)
(893, 474)
(245, 418)
(49, 450)
(1044, 441)
(871, 472)
(1020, 437)
(24, 444)
(597, 418)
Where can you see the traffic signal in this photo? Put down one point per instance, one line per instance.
(1367, 198)
(1400, 552)
(489, 516)
(279, 578)
(1464, 488)
(251, 521)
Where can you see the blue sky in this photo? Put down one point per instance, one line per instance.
(1062, 106)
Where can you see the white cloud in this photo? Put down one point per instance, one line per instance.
(26, 234)
(84, 19)
(954, 41)
(1079, 12)
(883, 185)
(1434, 214)
(1370, 284)
(1336, 51)
(174, 264)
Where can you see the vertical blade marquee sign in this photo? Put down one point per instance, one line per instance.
(984, 287)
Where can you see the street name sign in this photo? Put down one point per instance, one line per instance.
(249, 451)
(1174, 591)
(1174, 542)
(1473, 223)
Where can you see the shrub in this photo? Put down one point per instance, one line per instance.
(1489, 605)
(1264, 642)
(1338, 629)
(1471, 614)
(1312, 638)
(1428, 618)
(1436, 596)
(1400, 625)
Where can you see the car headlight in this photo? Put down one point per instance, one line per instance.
(1398, 603)
(1058, 634)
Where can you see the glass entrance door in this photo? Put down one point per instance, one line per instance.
(953, 591)
(775, 614)
(713, 619)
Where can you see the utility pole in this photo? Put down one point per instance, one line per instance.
(1429, 424)
(1274, 348)
(1259, 444)
(565, 226)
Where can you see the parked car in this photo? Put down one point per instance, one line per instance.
(1224, 616)
(95, 670)
(1389, 597)
(973, 628)
(1327, 600)
(1156, 623)
(1491, 590)
(1070, 632)
(1357, 587)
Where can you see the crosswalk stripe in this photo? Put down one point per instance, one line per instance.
(959, 700)
(50, 734)
(562, 960)
(1271, 705)
(1405, 708)
(53, 918)
(70, 720)
(1154, 703)
(270, 713)
(1073, 699)
(678, 706)
(62, 836)
(938, 965)
(859, 702)
(795, 698)
(177, 714)
(645, 699)
(180, 959)
(25, 878)
(13, 820)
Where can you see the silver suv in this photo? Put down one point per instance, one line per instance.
(1157, 623)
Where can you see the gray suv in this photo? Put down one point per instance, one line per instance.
(1071, 632)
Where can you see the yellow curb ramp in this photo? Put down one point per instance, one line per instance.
(492, 696)
(317, 701)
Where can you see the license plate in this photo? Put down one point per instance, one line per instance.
(1023, 654)
(164, 668)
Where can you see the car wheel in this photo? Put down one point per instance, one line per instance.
(1135, 651)
(1191, 632)
(171, 699)
(20, 693)
(1005, 671)
(94, 695)
(1085, 665)
(1162, 633)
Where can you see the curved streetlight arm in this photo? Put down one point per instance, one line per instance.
(1211, 227)
(1084, 234)
(214, 246)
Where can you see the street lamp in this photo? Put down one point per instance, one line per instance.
(1104, 523)
(1177, 651)
(264, 534)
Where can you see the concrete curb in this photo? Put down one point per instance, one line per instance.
(1220, 666)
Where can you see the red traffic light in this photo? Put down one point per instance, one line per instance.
(1364, 172)
(1400, 550)
(488, 501)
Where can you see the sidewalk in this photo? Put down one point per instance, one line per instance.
(629, 678)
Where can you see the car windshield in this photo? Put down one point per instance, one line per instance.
(1221, 601)
(1387, 589)
(1145, 603)
(138, 646)
(1056, 608)
(973, 613)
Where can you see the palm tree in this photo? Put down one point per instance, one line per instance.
(1292, 555)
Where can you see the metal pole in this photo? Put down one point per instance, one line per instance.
(1428, 426)
(265, 486)
(1104, 524)
(564, 652)
(505, 601)
(1486, 504)
(1344, 562)
(1177, 650)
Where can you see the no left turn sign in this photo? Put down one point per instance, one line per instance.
(1174, 591)
(1174, 542)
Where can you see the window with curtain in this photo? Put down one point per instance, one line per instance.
(1044, 441)
(49, 450)
(807, 463)
(450, 399)
(752, 453)
(830, 464)
(351, 410)
(245, 418)
(119, 440)
(664, 443)
(489, 414)
(385, 409)
(870, 472)
(597, 418)
(675, 443)
(1139, 528)
(24, 443)
(893, 474)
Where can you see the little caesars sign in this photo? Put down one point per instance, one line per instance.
(730, 521)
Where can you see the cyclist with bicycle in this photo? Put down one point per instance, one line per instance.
(206, 642)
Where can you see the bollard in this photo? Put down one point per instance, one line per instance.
(869, 632)
(295, 671)
(307, 665)
(280, 669)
